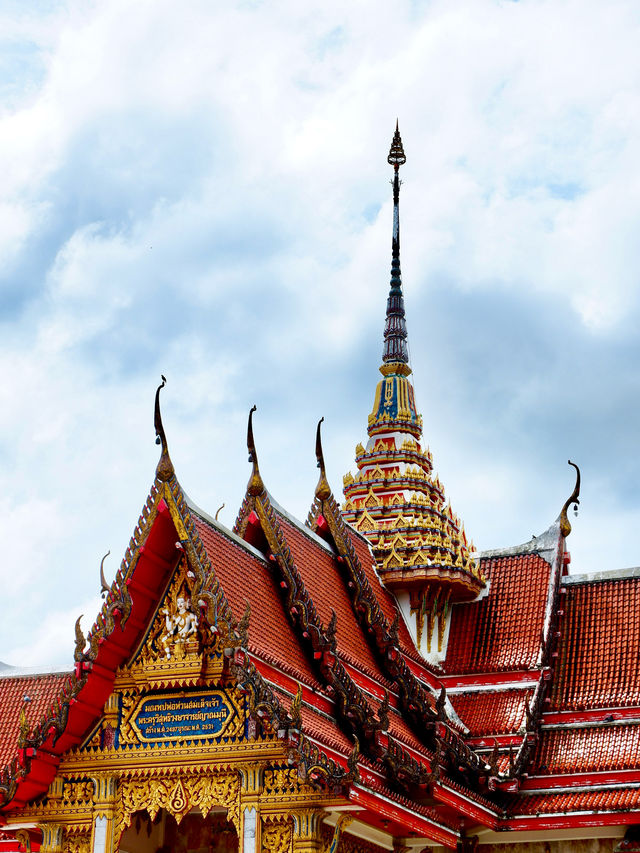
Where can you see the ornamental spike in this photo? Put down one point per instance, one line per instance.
(323, 489)
(105, 589)
(80, 641)
(395, 328)
(164, 470)
(574, 498)
(23, 726)
(255, 486)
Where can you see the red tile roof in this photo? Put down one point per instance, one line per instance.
(599, 646)
(245, 577)
(492, 713)
(322, 579)
(41, 689)
(502, 631)
(385, 599)
(588, 749)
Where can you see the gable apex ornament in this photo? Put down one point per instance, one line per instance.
(323, 489)
(256, 485)
(574, 498)
(164, 470)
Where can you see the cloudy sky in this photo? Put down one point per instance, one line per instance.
(201, 190)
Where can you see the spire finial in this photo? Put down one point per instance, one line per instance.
(164, 470)
(574, 498)
(396, 156)
(256, 486)
(395, 328)
(323, 489)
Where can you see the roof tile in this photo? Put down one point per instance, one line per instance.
(599, 647)
(501, 632)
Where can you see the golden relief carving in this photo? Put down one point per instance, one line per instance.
(176, 622)
(177, 647)
(178, 796)
(281, 780)
(78, 793)
(77, 842)
(277, 838)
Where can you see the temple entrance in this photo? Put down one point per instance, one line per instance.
(194, 834)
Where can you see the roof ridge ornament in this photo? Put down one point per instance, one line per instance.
(574, 498)
(323, 489)
(395, 327)
(105, 589)
(164, 470)
(256, 485)
(80, 640)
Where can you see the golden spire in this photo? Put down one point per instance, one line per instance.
(256, 486)
(164, 470)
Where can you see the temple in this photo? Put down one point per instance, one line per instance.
(357, 683)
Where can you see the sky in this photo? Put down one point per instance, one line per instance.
(201, 190)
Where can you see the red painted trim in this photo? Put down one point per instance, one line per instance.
(491, 679)
(462, 804)
(423, 674)
(489, 740)
(581, 780)
(571, 821)
(380, 805)
(561, 718)
(87, 706)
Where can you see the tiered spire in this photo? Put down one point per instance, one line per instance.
(395, 499)
(395, 328)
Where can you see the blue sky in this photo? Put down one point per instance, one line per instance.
(203, 192)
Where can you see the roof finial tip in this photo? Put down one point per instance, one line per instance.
(164, 470)
(323, 490)
(396, 156)
(255, 486)
(574, 498)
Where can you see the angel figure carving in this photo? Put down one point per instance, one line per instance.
(181, 623)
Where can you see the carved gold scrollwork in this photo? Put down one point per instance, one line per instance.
(277, 838)
(178, 796)
(281, 780)
(77, 843)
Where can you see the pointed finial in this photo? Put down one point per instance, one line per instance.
(164, 470)
(105, 589)
(323, 489)
(395, 328)
(256, 486)
(396, 156)
(574, 498)
(296, 709)
(24, 727)
(80, 641)
(352, 760)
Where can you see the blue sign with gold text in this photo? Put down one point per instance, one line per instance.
(184, 716)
